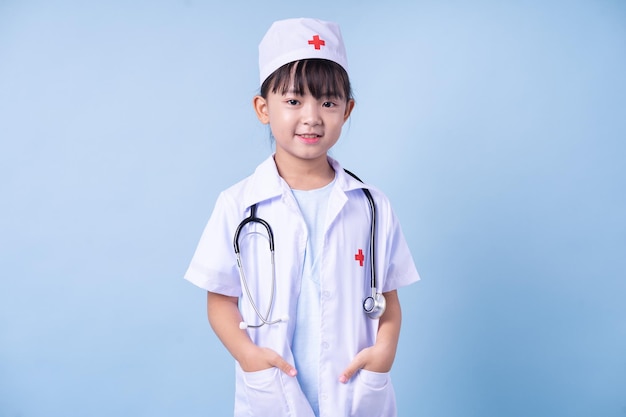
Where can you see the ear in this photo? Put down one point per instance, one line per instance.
(349, 107)
(260, 107)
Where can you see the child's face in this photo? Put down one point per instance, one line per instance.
(304, 127)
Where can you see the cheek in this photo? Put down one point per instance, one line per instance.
(281, 119)
(338, 122)
(279, 126)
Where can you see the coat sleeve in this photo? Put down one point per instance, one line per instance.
(398, 267)
(214, 266)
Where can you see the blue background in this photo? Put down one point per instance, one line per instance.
(496, 128)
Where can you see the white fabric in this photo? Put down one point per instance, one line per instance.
(306, 339)
(344, 327)
(303, 38)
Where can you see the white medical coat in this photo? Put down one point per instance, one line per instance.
(344, 283)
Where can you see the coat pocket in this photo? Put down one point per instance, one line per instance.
(373, 395)
(265, 392)
(271, 393)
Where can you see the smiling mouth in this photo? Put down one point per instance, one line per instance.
(309, 138)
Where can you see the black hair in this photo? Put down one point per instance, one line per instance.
(319, 77)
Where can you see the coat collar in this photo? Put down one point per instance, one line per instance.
(265, 183)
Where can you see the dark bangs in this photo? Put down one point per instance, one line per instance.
(319, 77)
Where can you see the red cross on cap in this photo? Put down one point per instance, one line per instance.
(317, 42)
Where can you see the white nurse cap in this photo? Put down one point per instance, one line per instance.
(295, 39)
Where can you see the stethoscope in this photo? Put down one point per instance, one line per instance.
(374, 305)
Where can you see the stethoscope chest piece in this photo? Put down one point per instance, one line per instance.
(375, 305)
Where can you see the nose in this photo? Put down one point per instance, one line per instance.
(311, 114)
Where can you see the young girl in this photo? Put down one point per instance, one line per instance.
(309, 330)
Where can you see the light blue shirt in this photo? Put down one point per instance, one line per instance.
(306, 340)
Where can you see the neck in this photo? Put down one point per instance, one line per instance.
(305, 175)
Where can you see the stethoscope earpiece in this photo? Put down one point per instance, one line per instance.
(243, 325)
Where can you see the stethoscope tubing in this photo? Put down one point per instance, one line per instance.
(252, 218)
(370, 200)
(264, 318)
(374, 305)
